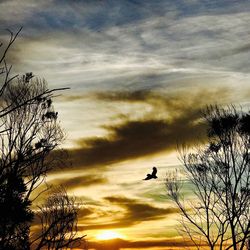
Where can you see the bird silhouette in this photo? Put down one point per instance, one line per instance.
(151, 176)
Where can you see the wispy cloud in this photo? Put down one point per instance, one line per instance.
(131, 212)
(79, 181)
(104, 44)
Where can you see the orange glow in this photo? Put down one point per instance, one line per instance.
(109, 235)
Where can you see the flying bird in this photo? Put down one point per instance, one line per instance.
(151, 176)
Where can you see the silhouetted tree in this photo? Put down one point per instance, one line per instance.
(15, 211)
(26, 143)
(219, 214)
(5, 70)
(58, 217)
(29, 133)
(6, 79)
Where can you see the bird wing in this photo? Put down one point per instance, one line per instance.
(154, 171)
(148, 177)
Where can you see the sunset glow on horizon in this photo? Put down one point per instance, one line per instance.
(108, 235)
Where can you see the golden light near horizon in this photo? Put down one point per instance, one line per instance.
(109, 235)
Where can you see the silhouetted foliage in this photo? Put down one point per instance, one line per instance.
(29, 133)
(58, 217)
(220, 174)
(15, 213)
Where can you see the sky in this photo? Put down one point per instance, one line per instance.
(139, 73)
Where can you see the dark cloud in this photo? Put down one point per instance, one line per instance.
(82, 213)
(128, 96)
(240, 49)
(172, 100)
(80, 181)
(175, 118)
(131, 212)
(138, 211)
(134, 139)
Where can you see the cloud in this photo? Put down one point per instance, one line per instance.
(128, 96)
(134, 139)
(117, 244)
(131, 212)
(164, 120)
(115, 212)
(97, 14)
(147, 44)
(80, 181)
(172, 100)
(82, 213)
(138, 211)
(244, 48)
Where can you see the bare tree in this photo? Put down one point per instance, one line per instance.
(5, 70)
(32, 132)
(29, 133)
(58, 217)
(6, 78)
(220, 174)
